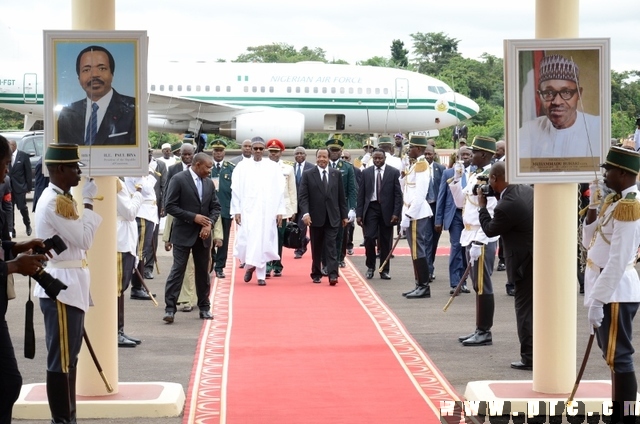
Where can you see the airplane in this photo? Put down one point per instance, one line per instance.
(279, 100)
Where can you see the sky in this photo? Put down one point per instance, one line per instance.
(352, 30)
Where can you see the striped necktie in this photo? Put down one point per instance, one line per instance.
(92, 126)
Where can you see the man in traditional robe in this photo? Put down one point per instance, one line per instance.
(257, 205)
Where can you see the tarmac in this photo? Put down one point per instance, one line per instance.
(167, 352)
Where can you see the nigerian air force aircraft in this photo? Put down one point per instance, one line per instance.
(277, 100)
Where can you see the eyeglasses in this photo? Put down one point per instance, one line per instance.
(258, 149)
(549, 95)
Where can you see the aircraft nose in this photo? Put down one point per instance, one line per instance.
(461, 106)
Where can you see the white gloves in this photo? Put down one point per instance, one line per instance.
(458, 170)
(351, 215)
(595, 194)
(89, 191)
(474, 253)
(405, 223)
(595, 314)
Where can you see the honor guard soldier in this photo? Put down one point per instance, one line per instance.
(56, 214)
(335, 146)
(612, 286)
(275, 148)
(480, 249)
(221, 176)
(414, 182)
(386, 144)
(361, 162)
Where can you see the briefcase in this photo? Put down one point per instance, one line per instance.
(292, 238)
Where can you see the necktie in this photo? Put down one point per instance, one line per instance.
(199, 187)
(378, 184)
(218, 166)
(92, 126)
(431, 194)
(298, 175)
(333, 165)
(325, 182)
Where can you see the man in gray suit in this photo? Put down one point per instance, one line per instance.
(191, 200)
(246, 152)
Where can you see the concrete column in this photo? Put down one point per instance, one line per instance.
(101, 320)
(555, 243)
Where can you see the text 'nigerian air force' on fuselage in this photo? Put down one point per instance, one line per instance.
(281, 100)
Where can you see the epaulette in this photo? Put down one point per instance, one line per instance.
(288, 162)
(627, 209)
(66, 207)
(227, 163)
(118, 185)
(421, 166)
(357, 162)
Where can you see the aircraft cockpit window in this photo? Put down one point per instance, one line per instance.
(433, 89)
(161, 87)
(441, 90)
(188, 88)
(179, 88)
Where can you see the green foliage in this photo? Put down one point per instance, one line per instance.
(157, 139)
(377, 61)
(433, 51)
(317, 140)
(281, 53)
(399, 54)
(10, 120)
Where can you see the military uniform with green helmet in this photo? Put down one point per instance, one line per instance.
(221, 175)
(612, 287)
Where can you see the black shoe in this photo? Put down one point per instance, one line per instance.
(464, 289)
(501, 266)
(350, 252)
(361, 244)
(410, 291)
(519, 365)
(297, 255)
(262, 283)
(248, 274)
(333, 281)
(28, 230)
(453, 290)
(432, 277)
(220, 274)
(124, 342)
(242, 264)
(342, 264)
(277, 273)
(148, 275)
(133, 339)
(206, 315)
(316, 280)
(420, 292)
(324, 271)
(168, 317)
(582, 289)
(385, 276)
(468, 336)
(268, 274)
(369, 273)
(140, 294)
(511, 292)
(480, 338)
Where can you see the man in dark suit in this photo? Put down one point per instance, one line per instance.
(323, 207)
(104, 117)
(41, 182)
(513, 222)
(433, 236)
(378, 209)
(191, 200)
(449, 218)
(301, 165)
(21, 180)
(347, 240)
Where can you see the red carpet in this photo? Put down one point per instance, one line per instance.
(298, 352)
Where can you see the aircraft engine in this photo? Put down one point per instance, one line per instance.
(285, 125)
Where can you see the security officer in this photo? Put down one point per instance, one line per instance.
(275, 148)
(221, 176)
(335, 145)
(363, 161)
(612, 286)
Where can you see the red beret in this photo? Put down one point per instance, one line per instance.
(275, 144)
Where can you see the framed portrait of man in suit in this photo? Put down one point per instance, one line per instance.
(557, 107)
(95, 97)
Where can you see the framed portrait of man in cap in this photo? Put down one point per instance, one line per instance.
(95, 98)
(557, 107)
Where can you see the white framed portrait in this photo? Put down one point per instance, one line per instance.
(557, 109)
(95, 97)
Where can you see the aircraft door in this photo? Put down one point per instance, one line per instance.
(402, 93)
(30, 88)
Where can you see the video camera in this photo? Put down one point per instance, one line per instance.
(483, 185)
(51, 285)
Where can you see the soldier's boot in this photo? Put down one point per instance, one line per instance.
(485, 306)
(422, 290)
(624, 390)
(415, 275)
(120, 313)
(58, 397)
(72, 392)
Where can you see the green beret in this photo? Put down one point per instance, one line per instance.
(487, 144)
(334, 142)
(218, 143)
(418, 140)
(385, 140)
(62, 153)
(622, 158)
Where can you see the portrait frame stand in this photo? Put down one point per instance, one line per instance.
(128, 400)
(554, 275)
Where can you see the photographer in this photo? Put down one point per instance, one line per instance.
(56, 214)
(513, 222)
(25, 264)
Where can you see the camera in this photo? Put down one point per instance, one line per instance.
(51, 285)
(483, 185)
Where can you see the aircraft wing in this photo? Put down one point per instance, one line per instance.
(174, 109)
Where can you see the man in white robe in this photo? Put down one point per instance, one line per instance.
(257, 205)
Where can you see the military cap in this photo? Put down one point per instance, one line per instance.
(418, 140)
(61, 153)
(556, 67)
(368, 143)
(487, 144)
(218, 144)
(334, 142)
(275, 144)
(176, 146)
(385, 140)
(619, 157)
